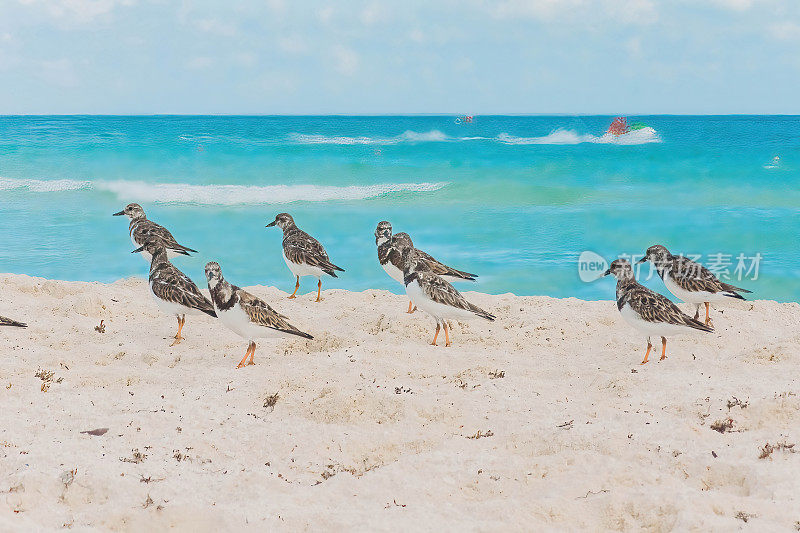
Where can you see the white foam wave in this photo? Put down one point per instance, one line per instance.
(561, 136)
(407, 136)
(140, 191)
(8, 184)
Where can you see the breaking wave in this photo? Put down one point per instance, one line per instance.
(405, 137)
(562, 136)
(140, 191)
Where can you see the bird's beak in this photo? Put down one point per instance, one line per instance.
(271, 224)
(138, 250)
(118, 214)
(606, 273)
(642, 260)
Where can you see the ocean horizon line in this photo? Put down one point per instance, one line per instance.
(380, 115)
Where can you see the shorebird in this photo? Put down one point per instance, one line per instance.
(304, 255)
(691, 282)
(143, 230)
(8, 322)
(246, 315)
(649, 312)
(174, 293)
(390, 256)
(435, 296)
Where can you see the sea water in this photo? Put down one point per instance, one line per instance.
(515, 199)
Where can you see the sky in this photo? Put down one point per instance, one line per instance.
(411, 56)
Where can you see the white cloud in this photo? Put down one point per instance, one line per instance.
(785, 31)
(588, 11)
(293, 44)
(734, 5)
(199, 63)
(325, 14)
(245, 59)
(217, 27)
(78, 10)
(416, 35)
(371, 14)
(60, 72)
(345, 60)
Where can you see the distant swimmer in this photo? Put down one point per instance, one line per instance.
(775, 163)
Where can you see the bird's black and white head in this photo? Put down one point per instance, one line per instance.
(132, 211)
(383, 233)
(620, 269)
(656, 254)
(213, 274)
(282, 220)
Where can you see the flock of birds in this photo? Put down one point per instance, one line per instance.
(427, 283)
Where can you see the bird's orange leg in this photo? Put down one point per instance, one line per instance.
(647, 354)
(296, 286)
(178, 338)
(707, 318)
(319, 290)
(663, 348)
(246, 354)
(437, 334)
(446, 335)
(410, 304)
(252, 353)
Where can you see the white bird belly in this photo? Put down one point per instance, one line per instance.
(303, 269)
(691, 297)
(172, 308)
(238, 321)
(435, 309)
(654, 329)
(394, 272)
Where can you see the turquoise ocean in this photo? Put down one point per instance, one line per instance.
(515, 199)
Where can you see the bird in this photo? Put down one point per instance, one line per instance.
(690, 281)
(649, 312)
(13, 323)
(390, 256)
(435, 296)
(141, 230)
(304, 255)
(245, 314)
(173, 291)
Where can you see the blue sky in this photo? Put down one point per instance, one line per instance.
(366, 57)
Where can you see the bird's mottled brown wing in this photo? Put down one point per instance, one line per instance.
(694, 277)
(172, 285)
(8, 322)
(656, 308)
(440, 269)
(146, 230)
(301, 248)
(440, 291)
(259, 312)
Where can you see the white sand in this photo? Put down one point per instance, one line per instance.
(372, 426)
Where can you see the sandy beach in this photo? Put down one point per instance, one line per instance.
(542, 420)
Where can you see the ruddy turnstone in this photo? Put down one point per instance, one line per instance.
(143, 230)
(246, 315)
(390, 256)
(8, 322)
(690, 281)
(435, 296)
(304, 255)
(651, 313)
(172, 290)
